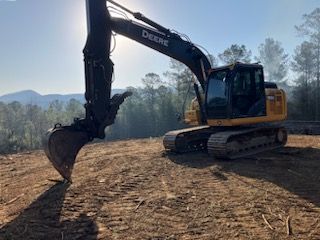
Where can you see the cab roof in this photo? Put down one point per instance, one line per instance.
(237, 64)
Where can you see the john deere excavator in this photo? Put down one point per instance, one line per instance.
(231, 115)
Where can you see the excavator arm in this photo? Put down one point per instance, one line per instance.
(62, 143)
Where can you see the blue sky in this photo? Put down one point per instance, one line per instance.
(42, 40)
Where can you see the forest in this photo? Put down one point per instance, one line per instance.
(158, 105)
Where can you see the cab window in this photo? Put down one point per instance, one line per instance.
(248, 98)
(217, 100)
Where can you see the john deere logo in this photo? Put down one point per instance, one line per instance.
(154, 38)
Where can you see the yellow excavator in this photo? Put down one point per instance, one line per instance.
(241, 112)
(235, 112)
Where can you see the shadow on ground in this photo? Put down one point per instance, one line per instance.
(41, 220)
(294, 169)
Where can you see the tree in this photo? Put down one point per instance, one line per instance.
(7, 141)
(180, 79)
(55, 113)
(235, 53)
(35, 125)
(74, 109)
(133, 119)
(274, 60)
(166, 110)
(14, 124)
(310, 28)
(213, 60)
(179, 75)
(151, 83)
(303, 64)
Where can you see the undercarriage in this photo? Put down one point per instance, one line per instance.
(226, 142)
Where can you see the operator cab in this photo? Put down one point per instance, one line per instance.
(236, 91)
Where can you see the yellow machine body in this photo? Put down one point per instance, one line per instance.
(276, 110)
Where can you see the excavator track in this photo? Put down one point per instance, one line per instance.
(187, 140)
(245, 142)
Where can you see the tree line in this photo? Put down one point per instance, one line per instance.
(22, 127)
(157, 106)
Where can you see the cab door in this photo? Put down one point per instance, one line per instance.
(217, 95)
(247, 92)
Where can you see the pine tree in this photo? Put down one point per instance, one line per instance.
(310, 28)
(274, 60)
(235, 53)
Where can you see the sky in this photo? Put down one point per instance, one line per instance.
(42, 40)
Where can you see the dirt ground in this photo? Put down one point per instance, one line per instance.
(134, 190)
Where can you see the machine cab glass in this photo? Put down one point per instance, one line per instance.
(236, 93)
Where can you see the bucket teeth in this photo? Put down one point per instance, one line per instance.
(61, 145)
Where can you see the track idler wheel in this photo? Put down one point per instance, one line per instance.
(282, 136)
(61, 145)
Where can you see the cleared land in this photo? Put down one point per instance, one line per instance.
(134, 190)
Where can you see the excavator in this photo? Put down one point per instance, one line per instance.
(235, 112)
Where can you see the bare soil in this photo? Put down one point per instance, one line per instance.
(134, 190)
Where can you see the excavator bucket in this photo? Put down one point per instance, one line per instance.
(61, 145)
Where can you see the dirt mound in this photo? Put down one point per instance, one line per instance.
(134, 190)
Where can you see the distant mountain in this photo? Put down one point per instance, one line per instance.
(32, 97)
